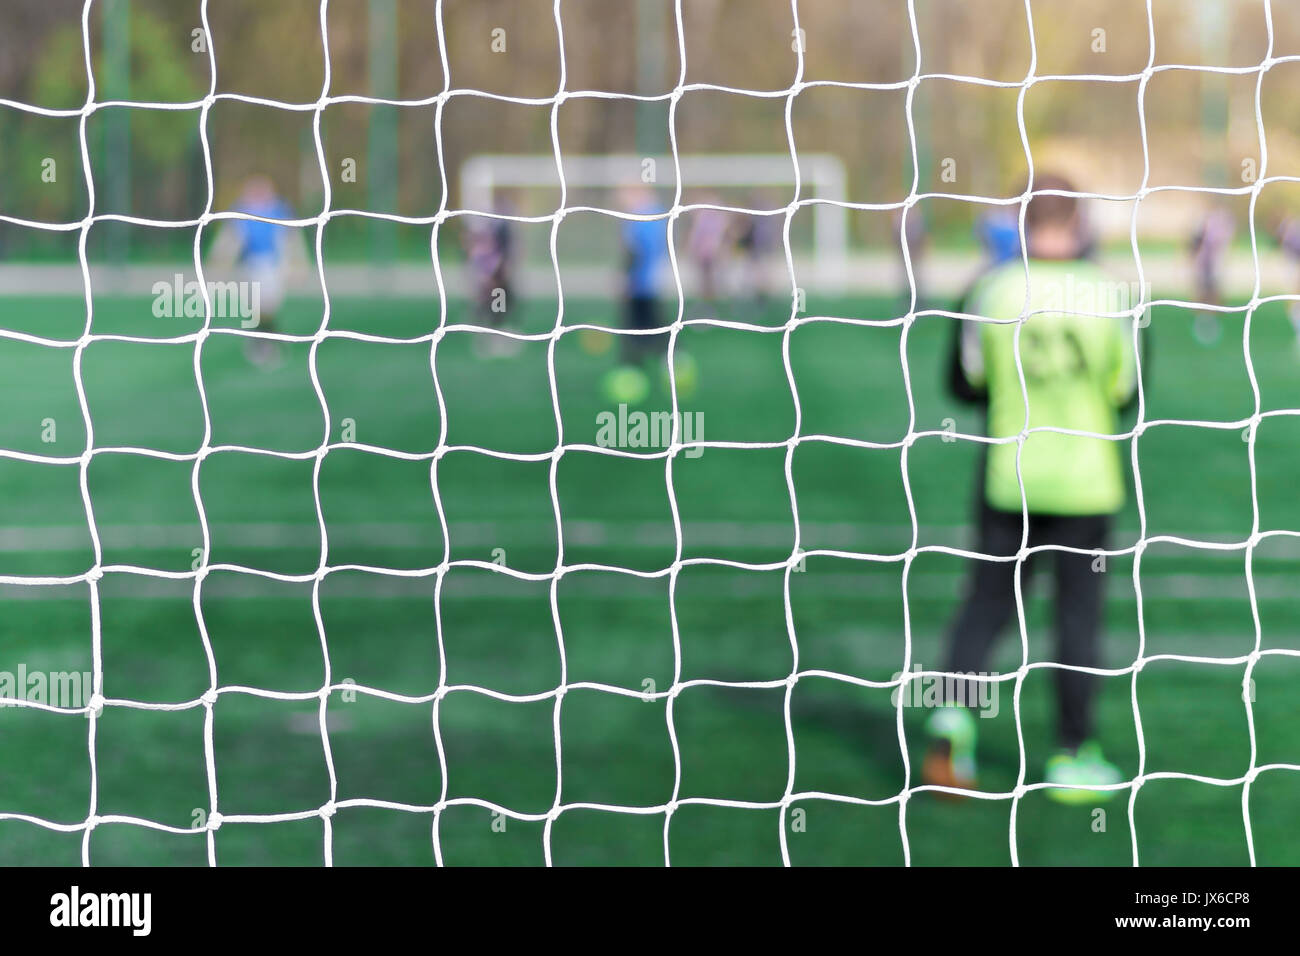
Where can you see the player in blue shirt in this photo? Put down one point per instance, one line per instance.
(998, 231)
(645, 246)
(262, 253)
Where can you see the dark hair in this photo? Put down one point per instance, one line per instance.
(1051, 210)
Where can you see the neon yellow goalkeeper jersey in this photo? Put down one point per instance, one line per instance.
(1079, 370)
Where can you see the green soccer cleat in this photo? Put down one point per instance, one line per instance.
(950, 761)
(626, 385)
(1085, 767)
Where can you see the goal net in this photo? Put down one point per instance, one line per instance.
(703, 626)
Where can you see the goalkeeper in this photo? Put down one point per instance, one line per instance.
(1080, 372)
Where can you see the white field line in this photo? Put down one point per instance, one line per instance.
(942, 272)
(477, 583)
(728, 583)
(862, 537)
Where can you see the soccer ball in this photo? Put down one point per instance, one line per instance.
(627, 385)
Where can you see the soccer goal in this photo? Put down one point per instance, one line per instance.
(735, 180)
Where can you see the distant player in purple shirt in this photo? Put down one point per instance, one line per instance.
(1208, 247)
(489, 254)
(1287, 230)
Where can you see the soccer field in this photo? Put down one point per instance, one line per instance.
(489, 639)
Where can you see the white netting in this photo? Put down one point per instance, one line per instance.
(207, 700)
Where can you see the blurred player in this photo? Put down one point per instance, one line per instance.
(998, 232)
(645, 247)
(1089, 238)
(265, 253)
(759, 239)
(1208, 247)
(1287, 230)
(707, 244)
(489, 248)
(1079, 371)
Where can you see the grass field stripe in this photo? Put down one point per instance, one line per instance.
(233, 581)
